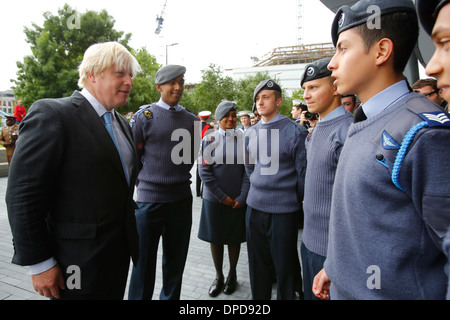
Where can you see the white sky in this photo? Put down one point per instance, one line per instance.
(224, 32)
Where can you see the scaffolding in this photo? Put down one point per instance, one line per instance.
(296, 54)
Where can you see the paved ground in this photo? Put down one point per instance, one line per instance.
(15, 282)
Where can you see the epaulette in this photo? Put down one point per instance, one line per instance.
(137, 113)
(191, 112)
(398, 135)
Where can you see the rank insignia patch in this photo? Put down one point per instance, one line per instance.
(148, 114)
(436, 119)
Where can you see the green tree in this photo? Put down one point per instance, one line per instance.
(244, 93)
(57, 50)
(245, 88)
(214, 88)
(298, 94)
(144, 89)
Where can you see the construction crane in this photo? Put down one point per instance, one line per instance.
(160, 19)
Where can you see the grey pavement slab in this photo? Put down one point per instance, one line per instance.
(15, 282)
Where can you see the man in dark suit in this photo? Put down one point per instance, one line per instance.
(70, 189)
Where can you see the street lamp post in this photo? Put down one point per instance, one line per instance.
(169, 45)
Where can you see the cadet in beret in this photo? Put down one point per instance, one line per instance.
(225, 191)
(323, 147)
(390, 209)
(274, 200)
(164, 196)
(435, 18)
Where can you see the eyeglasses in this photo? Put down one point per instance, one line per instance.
(427, 94)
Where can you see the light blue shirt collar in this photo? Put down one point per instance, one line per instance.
(339, 111)
(98, 107)
(223, 132)
(274, 119)
(164, 105)
(385, 98)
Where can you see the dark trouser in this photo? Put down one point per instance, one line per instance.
(272, 247)
(198, 184)
(312, 263)
(173, 222)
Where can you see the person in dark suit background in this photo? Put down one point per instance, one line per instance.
(70, 191)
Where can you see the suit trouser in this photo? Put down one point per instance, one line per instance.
(272, 247)
(171, 221)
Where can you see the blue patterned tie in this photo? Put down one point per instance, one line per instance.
(107, 119)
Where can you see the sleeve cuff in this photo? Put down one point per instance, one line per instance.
(42, 266)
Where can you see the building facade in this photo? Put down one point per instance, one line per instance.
(7, 101)
(285, 65)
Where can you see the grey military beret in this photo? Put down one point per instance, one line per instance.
(168, 73)
(265, 85)
(223, 108)
(428, 11)
(316, 70)
(350, 17)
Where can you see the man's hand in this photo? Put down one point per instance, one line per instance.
(48, 283)
(321, 285)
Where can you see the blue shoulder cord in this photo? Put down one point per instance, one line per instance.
(402, 152)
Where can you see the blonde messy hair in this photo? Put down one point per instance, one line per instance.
(101, 56)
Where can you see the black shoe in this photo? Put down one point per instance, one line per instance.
(230, 285)
(216, 288)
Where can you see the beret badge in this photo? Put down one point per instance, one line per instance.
(341, 20)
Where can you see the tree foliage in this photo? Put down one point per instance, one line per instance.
(57, 47)
(144, 89)
(214, 88)
(245, 88)
(57, 50)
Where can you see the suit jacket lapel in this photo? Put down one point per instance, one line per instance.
(126, 130)
(124, 125)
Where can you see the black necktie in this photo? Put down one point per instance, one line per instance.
(359, 115)
(172, 109)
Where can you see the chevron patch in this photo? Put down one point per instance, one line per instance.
(436, 119)
(388, 142)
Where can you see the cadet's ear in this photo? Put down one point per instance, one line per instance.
(385, 51)
(279, 102)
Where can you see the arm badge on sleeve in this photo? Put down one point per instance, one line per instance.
(148, 114)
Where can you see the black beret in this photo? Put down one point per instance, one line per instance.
(428, 11)
(350, 17)
(265, 85)
(169, 72)
(316, 70)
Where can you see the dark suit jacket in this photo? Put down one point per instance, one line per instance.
(68, 197)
